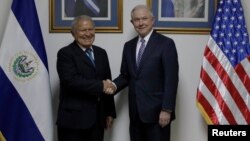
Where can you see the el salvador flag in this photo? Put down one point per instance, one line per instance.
(25, 98)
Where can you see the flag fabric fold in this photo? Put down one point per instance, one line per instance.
(25, 97)
(223, 95)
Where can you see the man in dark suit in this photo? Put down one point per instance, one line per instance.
(152, 77)
(84, 111)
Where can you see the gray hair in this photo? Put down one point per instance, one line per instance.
(79, 18)
(141, 7)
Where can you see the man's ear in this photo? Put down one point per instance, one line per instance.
(131, 21)
(72, 33)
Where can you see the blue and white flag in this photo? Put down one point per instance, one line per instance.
(25, 98)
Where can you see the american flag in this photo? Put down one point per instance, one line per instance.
(223, 95)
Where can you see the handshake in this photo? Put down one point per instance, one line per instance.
(109, 87)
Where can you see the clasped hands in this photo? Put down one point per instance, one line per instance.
(108, 87)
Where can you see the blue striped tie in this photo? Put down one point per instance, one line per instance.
(141, 50)
(89, 54)
(92, 5)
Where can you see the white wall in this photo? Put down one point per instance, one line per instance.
(189, 125)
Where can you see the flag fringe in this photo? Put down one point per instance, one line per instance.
(2, 137)
(204, 114)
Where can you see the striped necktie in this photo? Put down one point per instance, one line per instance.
(141, 50)
(92, 5)
(89, 53)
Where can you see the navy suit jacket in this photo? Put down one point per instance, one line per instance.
(81, 87)
(152, 86)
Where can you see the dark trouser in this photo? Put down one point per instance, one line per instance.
(92, 134)
(140, 131)
(95, 133)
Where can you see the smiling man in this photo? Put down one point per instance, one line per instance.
(84, 111)
(150, 68)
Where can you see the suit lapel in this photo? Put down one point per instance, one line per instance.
(133, 54)
(82, 56)
(98, 58)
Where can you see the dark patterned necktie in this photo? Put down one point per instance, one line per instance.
(141, 50)
(89, 53)
(92, 5)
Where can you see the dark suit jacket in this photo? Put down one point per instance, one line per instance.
(81, 8)
(153, 86)
(81, 87)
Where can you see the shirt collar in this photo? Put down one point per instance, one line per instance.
(83, 48)
(146, 38)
